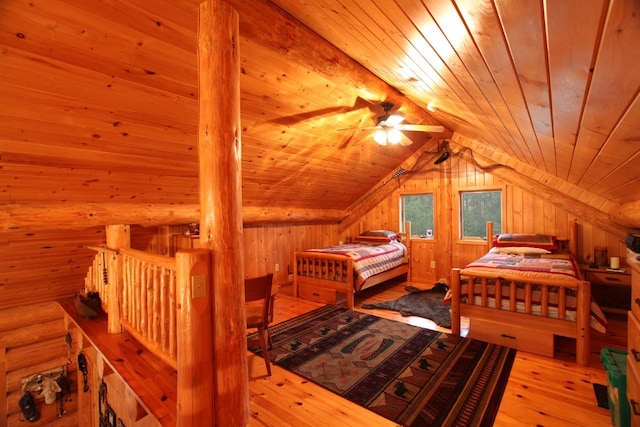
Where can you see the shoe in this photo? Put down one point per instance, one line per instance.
(28, 408)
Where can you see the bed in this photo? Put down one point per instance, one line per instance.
(523, 292)
(326, 274)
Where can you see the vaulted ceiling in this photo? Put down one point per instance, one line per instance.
(100, 99)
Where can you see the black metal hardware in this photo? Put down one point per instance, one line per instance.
(82, 366)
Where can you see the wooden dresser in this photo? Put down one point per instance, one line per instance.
(633, 346)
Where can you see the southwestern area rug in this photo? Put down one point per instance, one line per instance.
(424, 303)
(410, 375)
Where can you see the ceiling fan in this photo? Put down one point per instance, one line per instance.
(389, 127)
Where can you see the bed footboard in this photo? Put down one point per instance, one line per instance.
(539, 306)
(324, 272)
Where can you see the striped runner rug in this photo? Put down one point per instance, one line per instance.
(410, 375)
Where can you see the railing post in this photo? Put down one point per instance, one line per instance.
(194, 334)
(118, 237)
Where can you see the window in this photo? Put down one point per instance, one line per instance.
(478, 207)
(418, 208)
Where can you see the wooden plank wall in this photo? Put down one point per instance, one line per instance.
(523, 213)
(32, 340)
(268, 245)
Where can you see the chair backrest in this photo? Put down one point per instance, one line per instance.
(259, 289)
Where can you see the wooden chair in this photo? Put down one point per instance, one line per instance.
(258, 295)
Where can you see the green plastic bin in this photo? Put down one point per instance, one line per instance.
(615, 363)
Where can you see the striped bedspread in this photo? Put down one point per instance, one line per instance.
(546, 266)
(369, 259)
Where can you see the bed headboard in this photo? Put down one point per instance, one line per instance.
(566, 245)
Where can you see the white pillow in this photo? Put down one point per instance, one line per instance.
(519, 250)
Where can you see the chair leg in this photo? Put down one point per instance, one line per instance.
(269, 338)
(262, 333)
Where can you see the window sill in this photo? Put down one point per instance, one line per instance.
(476, 242)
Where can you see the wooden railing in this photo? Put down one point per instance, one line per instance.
(143, 286)
(148, 301)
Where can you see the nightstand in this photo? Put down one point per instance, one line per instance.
(611, 289)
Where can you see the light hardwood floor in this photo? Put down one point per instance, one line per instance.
(541, 391)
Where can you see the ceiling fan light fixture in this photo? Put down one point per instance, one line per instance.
(394, 119)
(380, 137)
(394, 136)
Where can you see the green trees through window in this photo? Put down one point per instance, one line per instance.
(478, 207)
(418, 208)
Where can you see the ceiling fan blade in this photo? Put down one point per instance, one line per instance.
(307, 115)
(356, 128)
(421, 128)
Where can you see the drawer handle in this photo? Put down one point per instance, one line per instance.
(613, 279)
(636, 354)
(511, 337)
(638, 301)
(315, 294)
(635, 407)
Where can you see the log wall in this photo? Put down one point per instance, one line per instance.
(32, 340)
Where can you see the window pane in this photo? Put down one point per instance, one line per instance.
(418, 208)
(478, 207)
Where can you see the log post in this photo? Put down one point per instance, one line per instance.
(195, 351)
(583, 337)
(118, 237)
(456, 286)
(220, 158)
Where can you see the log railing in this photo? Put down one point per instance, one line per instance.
(144, 288)
(148, 301)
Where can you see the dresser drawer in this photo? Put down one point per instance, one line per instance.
(633, 391)
(635, 293)
(633, 339)
(608, 278)
(538, 342)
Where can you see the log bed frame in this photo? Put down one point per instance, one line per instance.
(524, 331)
(311, 273)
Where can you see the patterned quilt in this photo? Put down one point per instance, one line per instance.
(546, 266)
(369, 259)
(542, 266)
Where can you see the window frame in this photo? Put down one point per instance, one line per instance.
(461, 191)
(402, 220)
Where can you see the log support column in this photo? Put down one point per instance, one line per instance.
(220, 157)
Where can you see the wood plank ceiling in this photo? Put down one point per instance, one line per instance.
(101, 95)
(99, 106)
(552, 84)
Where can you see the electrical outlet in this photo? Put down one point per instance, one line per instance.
(277, 267)
(198, 286)
(433, 264)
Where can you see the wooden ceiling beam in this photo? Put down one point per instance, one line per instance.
(26, 217)
(627, 215)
